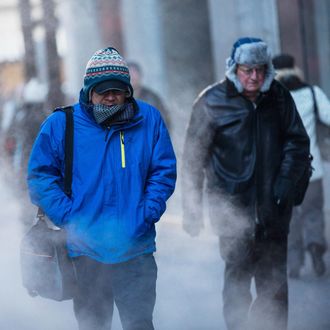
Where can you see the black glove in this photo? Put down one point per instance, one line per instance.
(283, 191)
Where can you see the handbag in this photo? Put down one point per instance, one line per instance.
(322, 132)
(46, 269)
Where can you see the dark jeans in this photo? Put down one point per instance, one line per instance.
(130, 285)
(265, 261)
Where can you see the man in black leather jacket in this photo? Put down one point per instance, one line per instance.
(246, 139)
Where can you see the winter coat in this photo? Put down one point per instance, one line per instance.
(305, 106)
(122, 177)
(303, 98)
(241, 148)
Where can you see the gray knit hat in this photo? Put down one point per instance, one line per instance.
(250, 51)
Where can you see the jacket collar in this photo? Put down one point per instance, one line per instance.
(232, 91)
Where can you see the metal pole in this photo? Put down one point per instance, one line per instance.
(55, 95)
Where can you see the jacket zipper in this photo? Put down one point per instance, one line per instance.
(122, 149)
(256, 174)
(121, 138)
(259, 220)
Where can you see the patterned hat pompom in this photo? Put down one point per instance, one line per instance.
(105, 64)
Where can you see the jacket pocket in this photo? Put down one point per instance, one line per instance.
(152, 211)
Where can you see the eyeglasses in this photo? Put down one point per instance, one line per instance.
(248, 71)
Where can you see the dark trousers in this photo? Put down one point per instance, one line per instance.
(130, 285)
(265, 261)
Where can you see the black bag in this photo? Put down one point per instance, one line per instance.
(46, 269)
(322, 132)
(302, 184)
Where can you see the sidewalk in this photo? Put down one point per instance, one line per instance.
(190, 280)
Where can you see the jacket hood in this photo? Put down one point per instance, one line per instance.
(291, 78)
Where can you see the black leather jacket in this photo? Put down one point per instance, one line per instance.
(238, 145)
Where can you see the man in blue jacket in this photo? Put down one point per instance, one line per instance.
(124, 170)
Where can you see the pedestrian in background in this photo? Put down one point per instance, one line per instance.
(25, 125)
(27, 122)
(246, 139)
(144, 93)
(308, 223)
(124, 170)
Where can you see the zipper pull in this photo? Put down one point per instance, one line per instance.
(122, 149)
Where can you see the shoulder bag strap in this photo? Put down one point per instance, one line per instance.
(316, 110)
(68, 154)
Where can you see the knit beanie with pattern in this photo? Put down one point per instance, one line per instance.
(105, 65)
(251, 52)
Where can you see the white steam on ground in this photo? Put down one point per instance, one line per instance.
(18, 310)
(190, 280)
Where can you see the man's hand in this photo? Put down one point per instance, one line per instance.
(283, 190)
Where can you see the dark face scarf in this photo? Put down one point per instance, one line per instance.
(115, 114)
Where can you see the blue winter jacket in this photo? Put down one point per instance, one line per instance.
(122, 177)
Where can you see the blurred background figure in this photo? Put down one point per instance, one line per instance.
(9, 109)
(31, 113)
(28, 116)
(307, 231)
(144, 93)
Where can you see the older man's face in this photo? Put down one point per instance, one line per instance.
(251, 77)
